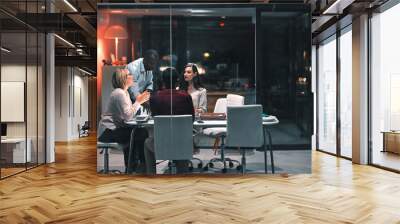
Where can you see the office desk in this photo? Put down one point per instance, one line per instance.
(391, 141)
(13, 150)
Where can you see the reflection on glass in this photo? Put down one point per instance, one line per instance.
(346, 94)
(385, 85)
(327, 96)
(41, 150)
(31, 101)
(284, 78)
(22, 89)
(272, 69)
(15, 151)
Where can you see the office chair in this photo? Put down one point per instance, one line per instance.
(173, 139)
(245, 130)
(220, 133)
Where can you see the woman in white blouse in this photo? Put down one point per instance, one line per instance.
(192, 85)
(112, 127)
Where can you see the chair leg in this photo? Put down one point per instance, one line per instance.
(265, 159)
(224, 170)
(243, 161)
(215, 147)
(271, 152)
(106, 160)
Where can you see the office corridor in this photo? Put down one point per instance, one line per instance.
(71, 191)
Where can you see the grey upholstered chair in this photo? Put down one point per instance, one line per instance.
(173, 138)
(245, 129)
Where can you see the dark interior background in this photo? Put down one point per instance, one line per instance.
(262, 52)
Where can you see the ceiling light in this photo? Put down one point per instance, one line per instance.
(64, 40)
(338, 6)
(70, 5)
(5, 50)
(84, 71)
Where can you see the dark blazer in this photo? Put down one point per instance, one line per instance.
(162, 100)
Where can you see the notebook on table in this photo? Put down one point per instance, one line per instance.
(213, 116)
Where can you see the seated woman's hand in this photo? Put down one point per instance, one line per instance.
(142, 98)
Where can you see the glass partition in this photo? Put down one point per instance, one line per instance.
(13, 94)
(22, 91)
(346, 92)
(385, 89)
(255, 53)
(283, 79)
(327, 96)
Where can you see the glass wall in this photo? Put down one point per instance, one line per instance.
(385, 88)
(22, 92)
(260, 53)
(327, 93)
(346, 92)
(334, 88)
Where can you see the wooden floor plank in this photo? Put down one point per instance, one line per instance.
(70, 191)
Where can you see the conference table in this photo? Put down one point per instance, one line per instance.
(267, 121)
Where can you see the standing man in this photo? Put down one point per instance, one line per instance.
(142, 71)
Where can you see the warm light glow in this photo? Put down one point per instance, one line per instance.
(117, 11)
(302, 80)
(206, 54)
(200, 69)
(70, 5)
(116, 32)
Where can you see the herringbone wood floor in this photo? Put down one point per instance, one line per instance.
(70, 191)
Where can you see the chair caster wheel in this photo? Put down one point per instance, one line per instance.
(231, 165)
(200, 165)
(224, 170)
(191, 169)
(211, 165)
(239, 168)
(205, 168)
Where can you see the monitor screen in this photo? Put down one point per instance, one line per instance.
(3, 129)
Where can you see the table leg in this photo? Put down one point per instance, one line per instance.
(129, 168)
(265, 153)
(271, 152)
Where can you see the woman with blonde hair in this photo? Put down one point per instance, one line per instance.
(112, 127)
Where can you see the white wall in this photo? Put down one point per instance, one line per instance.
(33, 127)
(71, 102)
